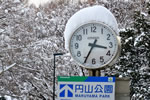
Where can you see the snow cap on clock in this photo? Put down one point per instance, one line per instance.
(89, 14)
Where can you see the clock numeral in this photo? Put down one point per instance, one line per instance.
(93, 29)
(79, 37)
(76, 45)
(93, 61)
(108, 36)
(110, 44)
(101, 59)
(108, 53)
(85, 31)
(79, 53)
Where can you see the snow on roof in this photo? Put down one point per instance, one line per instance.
(95, 13)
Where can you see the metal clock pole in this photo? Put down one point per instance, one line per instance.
(94, 72)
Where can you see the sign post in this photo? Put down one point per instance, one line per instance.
(86, 88)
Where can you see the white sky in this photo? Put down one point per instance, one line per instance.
(38, 2)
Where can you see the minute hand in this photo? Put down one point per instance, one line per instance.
(98, 46)
(92, 46)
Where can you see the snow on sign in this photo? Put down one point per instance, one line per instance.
(86, 88)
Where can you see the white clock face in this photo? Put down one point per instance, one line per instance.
(94, 45)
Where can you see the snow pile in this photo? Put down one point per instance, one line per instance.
(89, 14)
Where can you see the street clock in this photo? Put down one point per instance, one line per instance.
(94, 45)
(91, 36)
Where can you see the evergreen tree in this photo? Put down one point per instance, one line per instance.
(135, 56)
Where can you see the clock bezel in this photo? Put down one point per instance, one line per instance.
(112, 60)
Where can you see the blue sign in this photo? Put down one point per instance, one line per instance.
(86, 88)
(66, 90)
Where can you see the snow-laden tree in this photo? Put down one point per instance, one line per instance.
(135, 57)
(29, 37)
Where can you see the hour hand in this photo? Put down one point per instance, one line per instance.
(98, 46)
